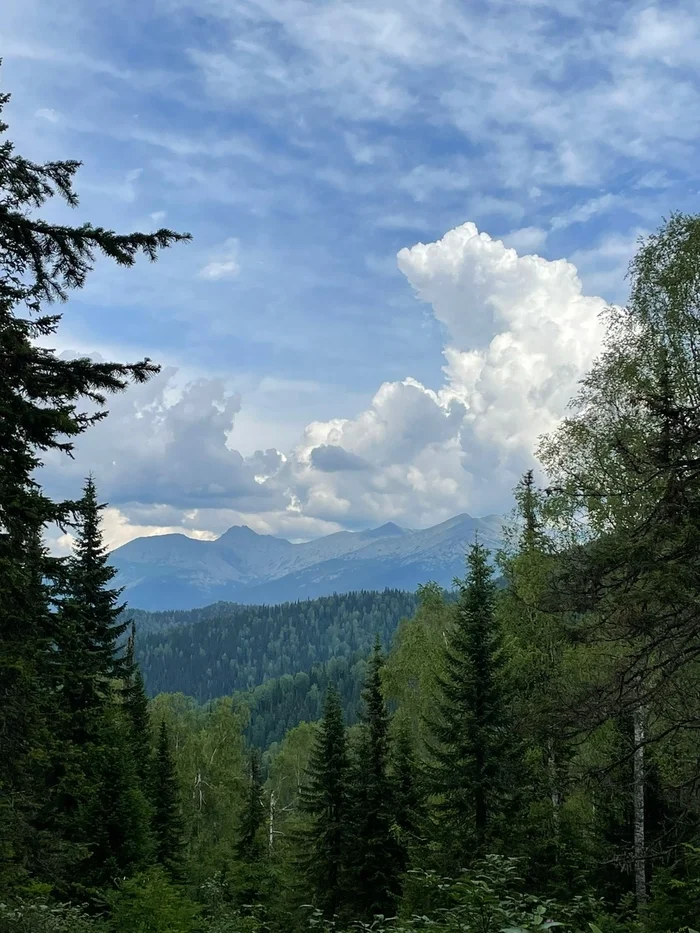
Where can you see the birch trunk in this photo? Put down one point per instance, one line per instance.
(555, 794)
(271, 823)
(640, 872)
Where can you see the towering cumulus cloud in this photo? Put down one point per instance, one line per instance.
(520, 334)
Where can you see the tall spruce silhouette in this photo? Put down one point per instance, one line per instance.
(374, 852)
(471, 747)
(43, 398)
(324, 799)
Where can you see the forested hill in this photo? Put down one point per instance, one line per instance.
(212, 652)
(278, 705)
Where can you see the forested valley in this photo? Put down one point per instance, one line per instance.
(513, 758)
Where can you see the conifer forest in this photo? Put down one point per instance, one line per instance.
(519, 754)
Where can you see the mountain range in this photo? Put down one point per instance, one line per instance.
(176, 572)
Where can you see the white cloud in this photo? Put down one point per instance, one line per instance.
(48, 113)
(224, 263)
(526, 239)
(520, 333)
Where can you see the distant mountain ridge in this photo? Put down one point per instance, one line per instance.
(176, 572)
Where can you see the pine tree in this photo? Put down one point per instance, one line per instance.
(167, 818)
(40, 398)
(374, 850)
(324, 799)
(471, 748)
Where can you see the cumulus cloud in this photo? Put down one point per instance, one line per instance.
(166, 443)
(520, 333)
(329, 459)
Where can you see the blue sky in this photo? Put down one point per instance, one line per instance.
(306, 146)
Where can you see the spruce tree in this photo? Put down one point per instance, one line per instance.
(115, 814)
(324, 800)
(40, 410)
(252, 872)
(471, 746)
(93, 776)
(135, 705)
(27, 739)
(249, 845)
(88, 622)
(168, 827)
(374, 850)
(408, 797)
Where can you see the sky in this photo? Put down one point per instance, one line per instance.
(407, 217)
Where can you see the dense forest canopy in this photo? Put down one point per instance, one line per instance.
(224, 648)
(517, 758)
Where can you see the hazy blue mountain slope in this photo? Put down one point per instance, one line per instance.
(176, 572)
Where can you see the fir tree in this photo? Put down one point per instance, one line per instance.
(375, 865)
(40, 398)
(167, 818)
(471, 746)
(324, 800)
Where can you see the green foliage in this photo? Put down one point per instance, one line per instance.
(209, 753)
(42, 401)
(417, 657)
(135, 706)
(167, 816)
(676, 893)
(409, 809)
(472, 752)
(225, 648)
(488, 898)
(374, 854)
(115, 816)
(279, 705)
(38, 915)
(249, 845)
(324, 799)
(151, 903)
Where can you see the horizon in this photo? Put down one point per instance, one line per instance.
(360, 531)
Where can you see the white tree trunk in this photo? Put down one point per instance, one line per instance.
(271, 823)
(640, 872)
(554, 788)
